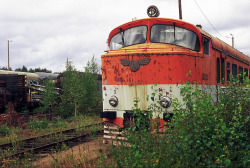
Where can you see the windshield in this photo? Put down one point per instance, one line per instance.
(135, 35)
(175, 35)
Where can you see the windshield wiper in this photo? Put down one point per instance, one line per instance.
(122, 35)
(174, 31)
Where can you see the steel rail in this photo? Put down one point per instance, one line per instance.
(33, 145)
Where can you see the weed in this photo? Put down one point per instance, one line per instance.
(202, 133)
(4, 130)
(35, 124)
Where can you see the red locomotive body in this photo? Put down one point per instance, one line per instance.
(163, 51)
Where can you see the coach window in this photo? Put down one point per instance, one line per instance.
(222, 70)
(206, 46)
(234, 70)
(246, 72)
(241, 74)
(218, 71)
(228, 71)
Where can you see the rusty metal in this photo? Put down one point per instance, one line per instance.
(124, 62)
(130, 73)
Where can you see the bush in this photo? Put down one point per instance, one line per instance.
(4, 130)
(40, 109)
(202, 133)
(35, 124)
(61, 124)
(65, 110)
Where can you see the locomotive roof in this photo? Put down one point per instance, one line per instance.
(216, 42)
(228, 50)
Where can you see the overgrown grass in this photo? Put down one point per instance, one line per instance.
(202, 133)
(36, 128)
(39, 127)
(4, 130)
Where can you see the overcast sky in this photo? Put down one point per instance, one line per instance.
(45, 32)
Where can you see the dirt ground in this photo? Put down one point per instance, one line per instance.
(83, 155)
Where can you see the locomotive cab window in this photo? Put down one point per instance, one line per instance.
(131, 36)
(206, 46)
(171, 34)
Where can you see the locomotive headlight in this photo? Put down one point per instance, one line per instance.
(165, 101)
(113, 101)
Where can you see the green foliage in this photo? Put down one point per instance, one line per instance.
(79, 89)
(5, 68)
(39, 109)
(92, 67)
(25, 69)
(202, 133)
(39, 70)
(36, 124)
(4, 130)
(64, 146)
(91, 98)
(65, 109)
(49, 95)
(71, 88)
(60, 124)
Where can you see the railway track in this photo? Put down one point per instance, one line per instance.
(44, 143)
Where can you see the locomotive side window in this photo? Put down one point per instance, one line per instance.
(206, 46)
(218, 71)
(228, 71)
(241, 74)
(222, 70)
(234, 70)
(175, 35)
(131, 36)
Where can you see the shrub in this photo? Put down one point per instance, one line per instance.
(35, 124)
(4, 130)
(202, 133)
(60, 123)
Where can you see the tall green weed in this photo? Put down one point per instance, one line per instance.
(4, 130)
(202, 133)
(36, 124)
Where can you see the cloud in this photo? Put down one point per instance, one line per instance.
(45, 33)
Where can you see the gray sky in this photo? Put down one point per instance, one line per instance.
(45, 32)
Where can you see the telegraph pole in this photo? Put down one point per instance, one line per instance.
(180, 10)
(9, 55)
(232, 40)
